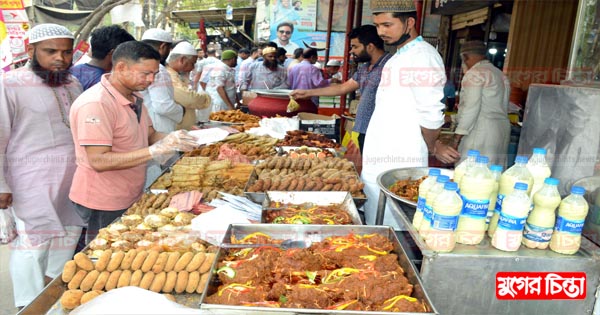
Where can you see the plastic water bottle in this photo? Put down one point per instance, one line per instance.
(433, 192)
(538, 168)
(516, 173)
(511, 222)
(572, 211)
(496, 172)
(423, 190)
(540, 222)
(461, 169)
(229, 12)
(446, 209)
(476, 186)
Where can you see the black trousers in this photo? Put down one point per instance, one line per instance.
(361, 141)
(98, 219)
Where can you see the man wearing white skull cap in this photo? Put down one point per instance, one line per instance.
(37, 160)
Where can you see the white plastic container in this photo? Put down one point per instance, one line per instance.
(446, 209)
(511, 222)
(476, 186)
(540, 222)
(423, 190)
(572, 211)
(496, 172)
(434, 191)
(517, 173)
(461, 168)
(539, 169)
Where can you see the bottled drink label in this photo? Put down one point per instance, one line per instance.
(569, 226)
(499, 203)
(536, 233)
(444, 222)
(420, 204)
(475, 208)
(427, 213)
(508, 222)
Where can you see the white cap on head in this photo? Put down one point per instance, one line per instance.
(47, 31)
(158, 35)
(334, 63)
(184, 48)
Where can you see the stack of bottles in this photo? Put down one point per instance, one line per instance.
(518, 206)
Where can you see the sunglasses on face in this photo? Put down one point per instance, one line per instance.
(285, 32)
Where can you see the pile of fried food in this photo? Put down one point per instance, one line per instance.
(209, 177)
(282, 173)
(407, 188)
(309, 152)
(247, 121)
(307, 213)
(297, 138)
(351, 272)
(251, 146)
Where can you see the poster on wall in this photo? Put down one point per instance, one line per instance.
(338, 19)
(14, 30)
(302, 14)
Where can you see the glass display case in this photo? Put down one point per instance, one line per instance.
(584, 63)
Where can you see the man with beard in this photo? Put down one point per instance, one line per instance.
(266, 74)
(37, 160)
(407, 106)
(366, 47)
(112, 133)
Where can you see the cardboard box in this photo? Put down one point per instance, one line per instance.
(328, 126)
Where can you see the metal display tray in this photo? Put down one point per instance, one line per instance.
(259, 197)
(315, 233)
(320, 198)
(388, 178)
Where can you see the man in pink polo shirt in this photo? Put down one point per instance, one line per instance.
(112, 130)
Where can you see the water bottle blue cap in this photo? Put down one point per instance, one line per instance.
(521, 186)
(434, 172)
(551, 181)
(482, 159)
(539, 151)
(496, 168)
(472, 153)
(451, 186)
(521, 159)
(443, 179)
(577, 190)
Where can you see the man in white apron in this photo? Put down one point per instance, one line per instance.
(408, 112)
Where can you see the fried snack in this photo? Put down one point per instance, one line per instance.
(88, 282)
(160, 263)
(150, 261)
(83, 261)
(102, 262)
(170, 297)
(147, 280)
(182, 280)
(101, 281)
(208, 261)
(139, 260)
(196, 262)
(71, 299)
(128, 259)
(202, 284)
(124, 279)
(113, 280)
(69, 271)
(136, 278)
(159, 282)
(172, 260)
(170, 282)
(88, 296)
(115, 261)
(193, 281)
(77, 278)
(183, 262)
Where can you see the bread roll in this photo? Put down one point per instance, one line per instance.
(71, 299)
(159, 282)
(147, 280)
(76, 281)
(115, 261)
(183, 261)
(128, 259)
(171, 261)
(88, 282)
(101, 281)
(170, 282)
(193, 281)
(88, 296)
(208, 261)
(113, 280)
(103, 260)
(196, 262)
(124, 279)
(202, 284)
(139, 260)
(150, 261)
(83, 261)
(136, 278)
(160, 263)
(182, 279)
(69, 271)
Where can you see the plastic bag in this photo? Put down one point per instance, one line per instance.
(8, 229)
(292, 105)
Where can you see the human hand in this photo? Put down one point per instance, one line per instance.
(445, 153)
(5, 200)
(204, 101)
(178, 140)
(300, 94)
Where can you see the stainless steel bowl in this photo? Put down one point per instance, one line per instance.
(387, 179)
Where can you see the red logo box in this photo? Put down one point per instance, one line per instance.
(541, 285)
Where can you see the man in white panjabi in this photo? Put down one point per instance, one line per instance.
(37, 160)
(408, 112)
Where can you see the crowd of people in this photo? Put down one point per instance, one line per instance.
(79, 144)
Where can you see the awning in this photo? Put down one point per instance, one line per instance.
(214, 16)
(452, 7)
(43, 14)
